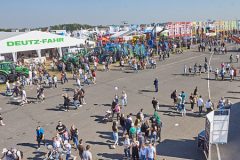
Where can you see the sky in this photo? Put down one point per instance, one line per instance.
(42, 13)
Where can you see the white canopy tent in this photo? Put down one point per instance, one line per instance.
(35, 40)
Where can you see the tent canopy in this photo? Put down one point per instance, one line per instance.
(36, 40)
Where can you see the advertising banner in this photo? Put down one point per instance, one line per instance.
(179, 29)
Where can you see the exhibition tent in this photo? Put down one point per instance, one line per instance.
(34, 40)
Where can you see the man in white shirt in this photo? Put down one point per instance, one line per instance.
(124, 98)
(209, 106)
(8, 88)
(87, 155)
(24, 97)
(55, 81)
(231, 73)
(200, 104)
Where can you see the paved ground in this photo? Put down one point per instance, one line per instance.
(178, 142)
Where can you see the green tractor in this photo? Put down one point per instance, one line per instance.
(71, 60)
(10, 71)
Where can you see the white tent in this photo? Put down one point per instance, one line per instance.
(35, 40)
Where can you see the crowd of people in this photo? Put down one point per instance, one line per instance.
(224, 72)
(196, 100)
(137, 134)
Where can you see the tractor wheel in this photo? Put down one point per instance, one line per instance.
(3, 78)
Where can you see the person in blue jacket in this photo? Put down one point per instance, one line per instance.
(40, 136)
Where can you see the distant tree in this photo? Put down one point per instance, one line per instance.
(5, 30)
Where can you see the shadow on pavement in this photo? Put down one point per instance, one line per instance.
(172, 115)
(61, 108)
(144, 90)
(31, 145)
(232, 97)
(195, 114)
(99, 119)
(107, 156)
(37, 156)
(105, 135)
(179, 149)
(97, 143)
(102, 105)
(232, 92)
(125, 71)
(67, 89)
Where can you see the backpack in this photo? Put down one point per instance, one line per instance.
(172, 95)
(143, 127)
(138, 115)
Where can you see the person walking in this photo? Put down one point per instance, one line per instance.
(87, 155)
(81, 93)
(209, 106)
(231, 58)
(8, 88)
(124, 98)
(127, 146)
(231, 72)
(55, 81)
(117, 110)
(237, 57)
(76, 99)
(174, 97)
(40, 93)
(179, 102)
(85, 79)
(151, 152)
(68, 148)
(200, 104)
(115, 133)
(80, 149)
(222, 73)
(155, 82)
(66, 102)
(155, 104)
(192, 99)
(143, 152)
(135, 149)
(61, 129)
(216, 74)
(23, 96)
(65, 79)
(40, 136)
(74, 135)
(123, 123)
(185, 69)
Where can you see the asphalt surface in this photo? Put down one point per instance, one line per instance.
(178, 133)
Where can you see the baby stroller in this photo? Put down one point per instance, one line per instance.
(108, 116)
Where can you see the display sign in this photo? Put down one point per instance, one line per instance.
(34, 42)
